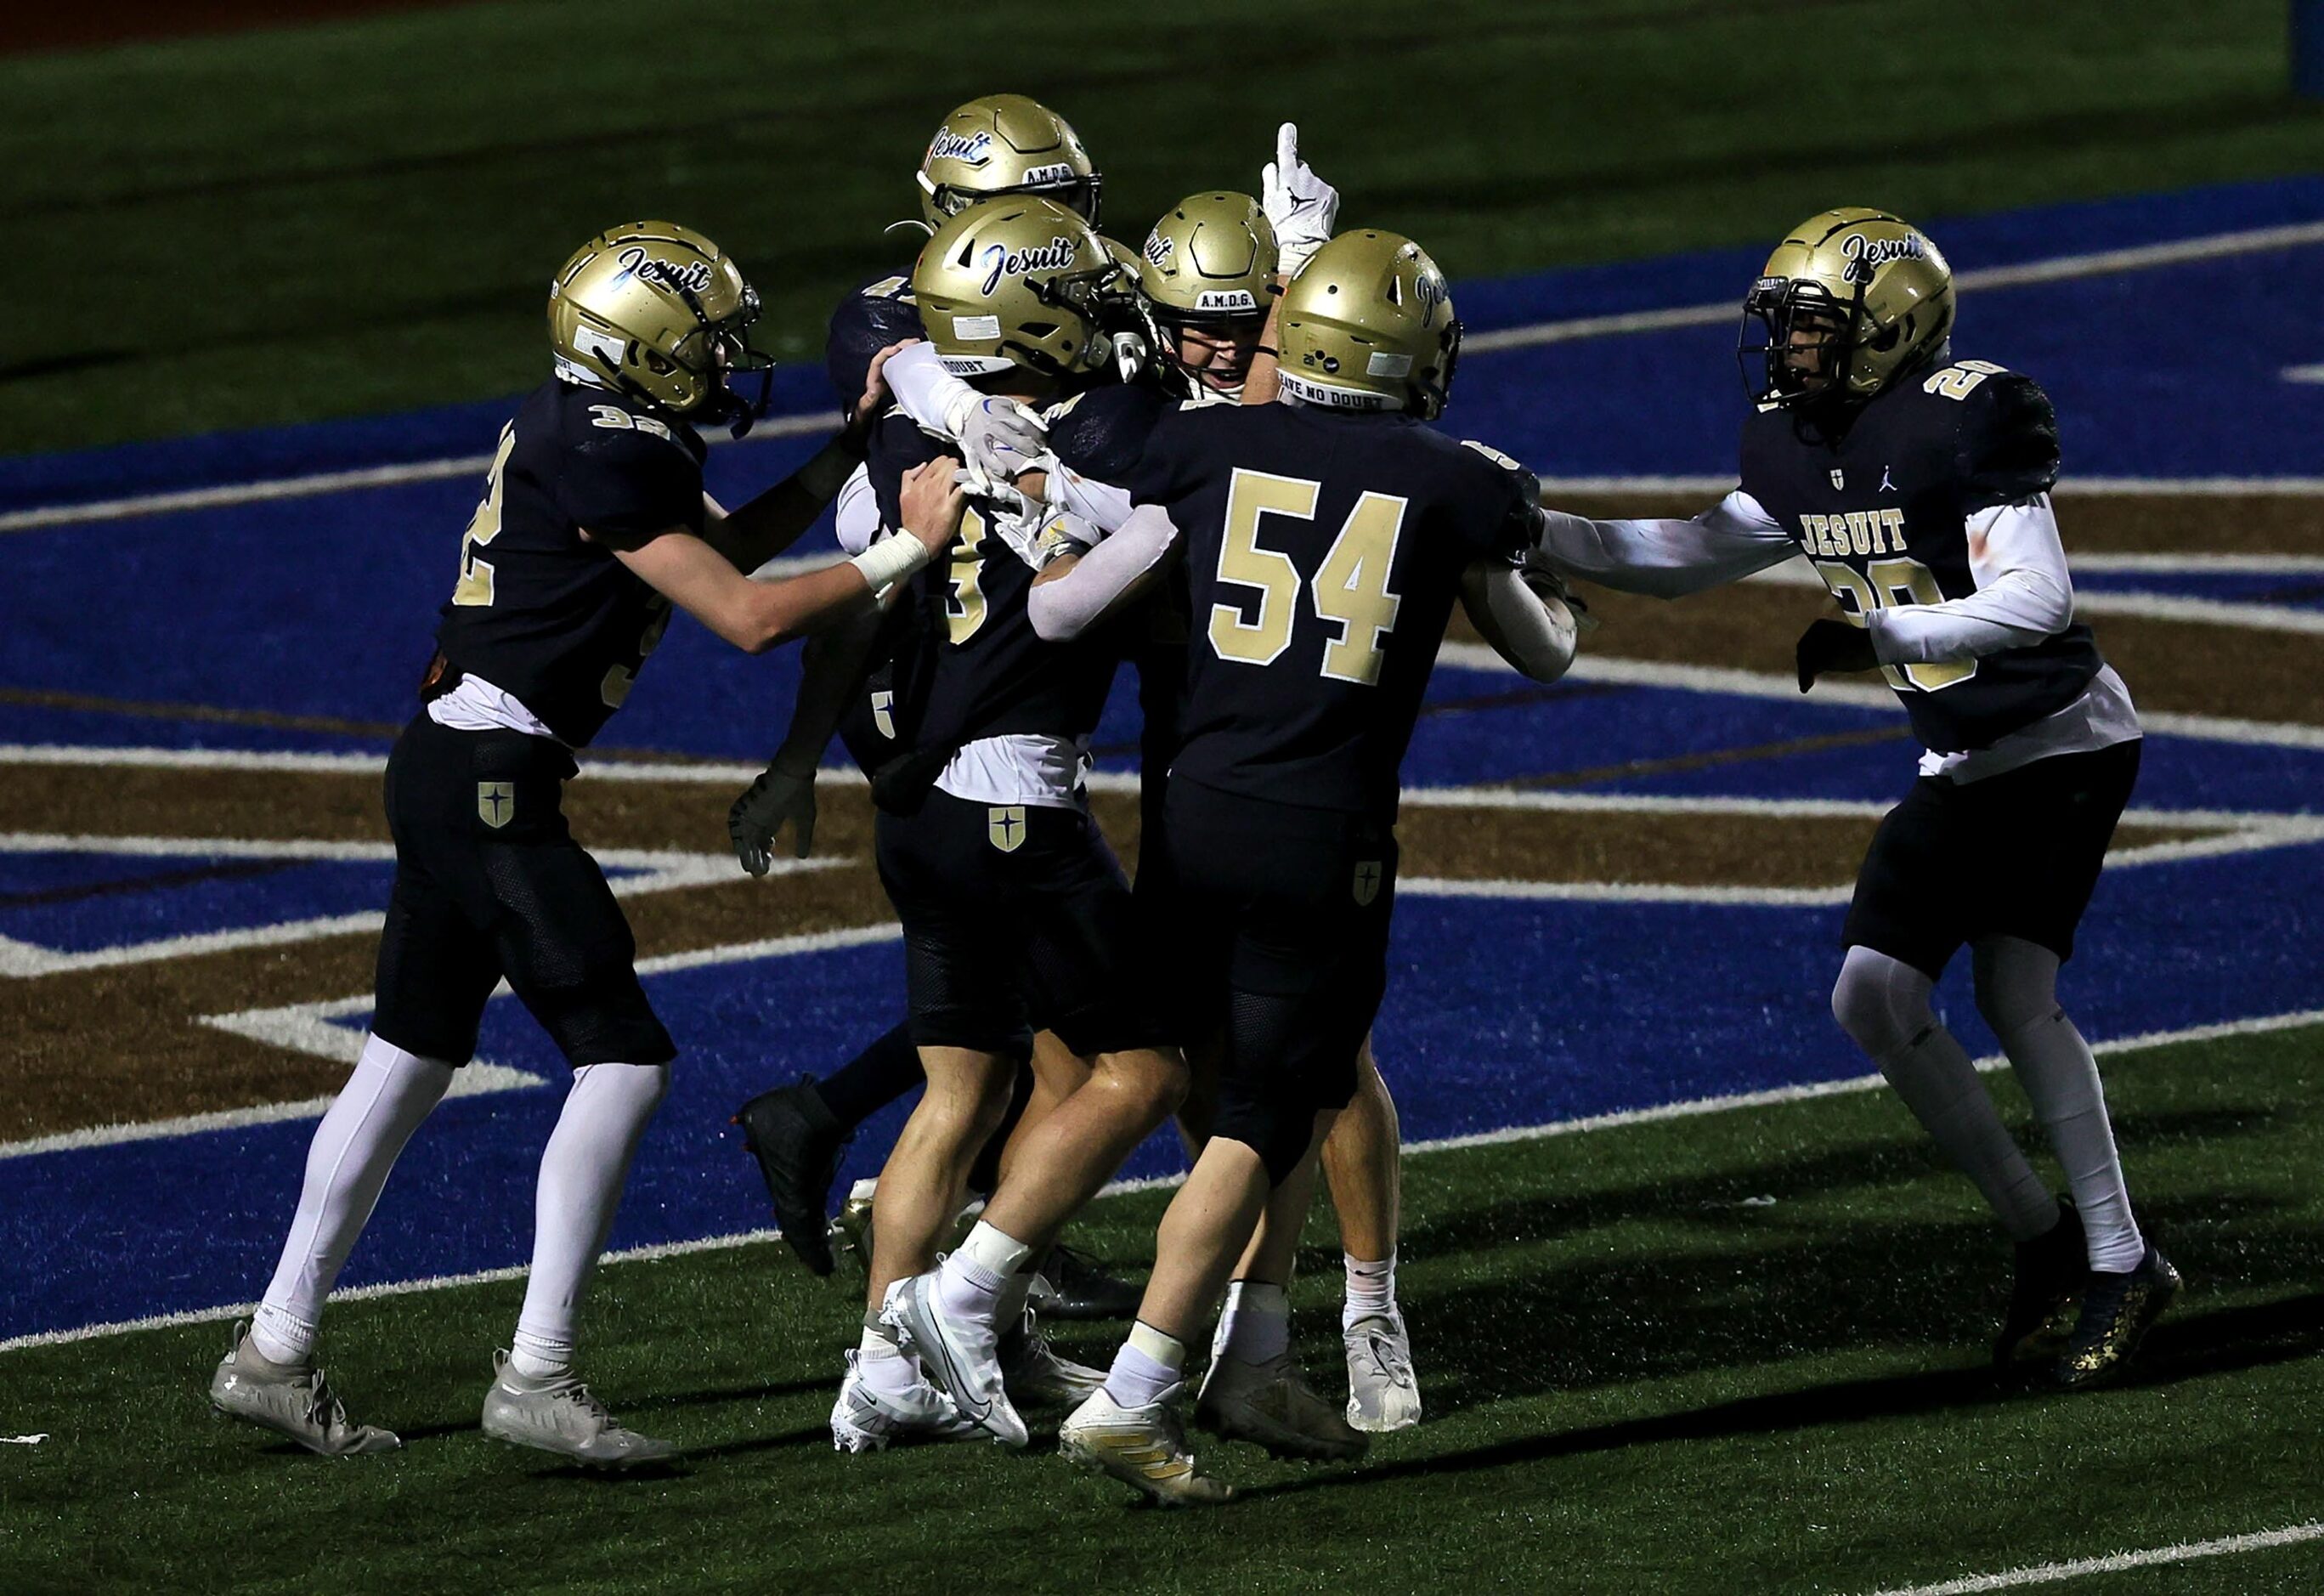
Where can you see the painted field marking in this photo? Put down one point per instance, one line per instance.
(2104, 262)
(655, 869)
(2047, 1574)
(1712, 488)
(1692, 1108)
(2057, 269)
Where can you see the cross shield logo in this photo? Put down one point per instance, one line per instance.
(1004, 826)
(1368, 881)
(496, 803)
(1839, 478)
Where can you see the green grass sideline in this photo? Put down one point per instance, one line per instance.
(1639, 1382)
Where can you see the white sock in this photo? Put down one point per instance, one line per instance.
(1371, 1291)
(2017, 990)
(582, 1170)
(882, 1365)
(1256, 1324)
(1147, 1368)
(1884, 1004)
(357, 1143)
(969, 1282)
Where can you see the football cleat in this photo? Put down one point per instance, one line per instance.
(797, 1144)
(961, 1355)
(849, 1233)
(1383, 1393)
(2051, 1272)
(1070, 1283)
(2117, 1310)
(290, 1400)
(1272, 1405)
(1144, 1447)
(866, 1418)
(1037, 1374)
(563, 1416)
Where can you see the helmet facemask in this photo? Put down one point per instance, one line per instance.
(1807, 337)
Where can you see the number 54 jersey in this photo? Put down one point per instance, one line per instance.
(1882, 511)
(1323, 554)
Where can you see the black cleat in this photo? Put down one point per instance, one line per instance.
(797, 1144)
(1072, 1284)
(2051, 1272)
(2117, 1310)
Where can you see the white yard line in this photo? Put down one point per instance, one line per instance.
(1691, 1109)
(656, 870)
(2058, 269)
(2049, 1573)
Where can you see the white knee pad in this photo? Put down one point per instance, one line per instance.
(1882, 1003)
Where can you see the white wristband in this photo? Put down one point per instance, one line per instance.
(892, 559)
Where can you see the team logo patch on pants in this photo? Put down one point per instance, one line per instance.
(496, 803)
(1368, 881)
(1004, 826)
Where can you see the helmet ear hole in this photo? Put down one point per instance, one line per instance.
(1886, 339)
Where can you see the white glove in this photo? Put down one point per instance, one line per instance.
(1302, 207)
(999, 436)
(1044, 535)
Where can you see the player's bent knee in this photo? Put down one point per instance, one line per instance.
(1277, 1131)
(1881, 1002)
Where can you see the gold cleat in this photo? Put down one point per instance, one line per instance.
(1143, 1447)
(2117, 1310)
(2045, 1290)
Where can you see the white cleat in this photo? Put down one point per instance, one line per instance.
(290, 1400)
(961, 1355)
(1144, 1447)
(1273, 1404)
(1383, 1393)
(1037, 1374)
(561, 1415)
(866, 1418)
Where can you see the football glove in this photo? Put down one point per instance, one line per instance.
(1043, 535)
(1829, 645)
(999, 436)
(1302, 207)
(778, 795)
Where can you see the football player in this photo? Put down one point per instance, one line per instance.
(1209, 274)
(995, 145)
(1014, 912)
(1323, 540)
(593, 524)
(1919, 485)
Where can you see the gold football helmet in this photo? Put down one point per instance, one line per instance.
(1019, 282)
(1368, 325)
(1005, 143)
(1850, 300)
(1212, 257)
(661, 313)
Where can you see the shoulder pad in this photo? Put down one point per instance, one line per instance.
(2008, 450)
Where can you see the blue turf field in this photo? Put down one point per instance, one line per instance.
(1503, 1013)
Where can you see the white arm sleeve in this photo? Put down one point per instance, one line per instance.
(1071, 604)
(1668, 558)
(924, 390)
(1102, 505)
(2023, 596)
(856, 515)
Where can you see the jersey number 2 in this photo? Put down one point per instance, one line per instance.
(475, 588)
(1351, 586)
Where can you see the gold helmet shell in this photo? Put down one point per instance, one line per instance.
(1368, 325)
(1212, 257)
(1874, 287)
(656, 312)
(1005, 143)
(1015, 282)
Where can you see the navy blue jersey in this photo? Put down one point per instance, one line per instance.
(1881, 509)
(1101, 433)
(539, 611)
(880, 313)
(1322, 552)
(971, 665)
